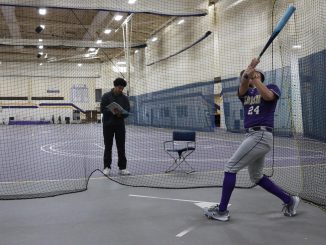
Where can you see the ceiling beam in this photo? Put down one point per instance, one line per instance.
(92, 32)
(162, 7)
(64, 43)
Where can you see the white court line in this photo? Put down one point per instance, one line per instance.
(57, 152)
(166, 198)
(200, 204)
(67, 154)
(182, 233)
(62, 153)
(99, 146)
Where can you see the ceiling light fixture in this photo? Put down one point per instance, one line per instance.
(154, 39)
(181, 21)
(296, 46)
(40, 47)
(119, 69)
(132, 1)
(234, 4)
(42, 11)
(99, 41)
(107, 31)
(40, 40)
(118, 17)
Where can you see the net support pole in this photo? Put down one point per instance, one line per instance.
(127, 38)
(296, 95)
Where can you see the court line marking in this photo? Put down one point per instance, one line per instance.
(68, 154)
(200, 204)
(57, 152)
(166, 198)
(53, 151)
(182, 233)
(99, 146)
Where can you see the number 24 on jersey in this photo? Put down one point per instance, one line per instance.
(253, 110)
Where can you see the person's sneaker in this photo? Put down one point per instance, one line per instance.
(290, 209)
(213, 212)
(124, 172)
(106, 171)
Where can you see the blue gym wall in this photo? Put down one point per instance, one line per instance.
(188, 107)
(312, 71)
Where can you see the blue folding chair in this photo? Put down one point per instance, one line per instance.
(183, 143)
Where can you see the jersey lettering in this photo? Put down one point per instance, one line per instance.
(252, 100)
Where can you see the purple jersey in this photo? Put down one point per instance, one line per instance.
(257, 111)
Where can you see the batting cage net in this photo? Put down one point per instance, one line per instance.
(181, 61)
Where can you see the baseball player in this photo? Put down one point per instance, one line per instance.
(259, 103)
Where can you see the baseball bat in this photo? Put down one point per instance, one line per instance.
(278, 28)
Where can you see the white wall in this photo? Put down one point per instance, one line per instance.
(34, 80)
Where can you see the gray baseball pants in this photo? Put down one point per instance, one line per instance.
(251, 153)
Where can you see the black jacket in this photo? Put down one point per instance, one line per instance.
(108, 98)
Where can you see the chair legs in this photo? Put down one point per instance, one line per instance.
(177, 164)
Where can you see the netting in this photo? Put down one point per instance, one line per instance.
(182, 61)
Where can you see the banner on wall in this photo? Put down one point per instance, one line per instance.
(53, 91)
(79, 93)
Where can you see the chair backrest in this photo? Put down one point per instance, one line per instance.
(184, 136)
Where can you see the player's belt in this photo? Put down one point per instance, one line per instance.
(259, 128)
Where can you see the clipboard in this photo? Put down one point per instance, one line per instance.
(115, 106)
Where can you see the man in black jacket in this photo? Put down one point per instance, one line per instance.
(114, 125)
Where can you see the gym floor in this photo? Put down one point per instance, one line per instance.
(110, 213)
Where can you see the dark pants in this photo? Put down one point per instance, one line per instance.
(119, 131)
